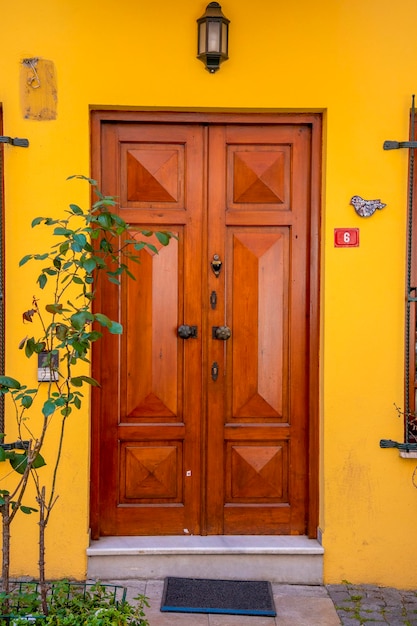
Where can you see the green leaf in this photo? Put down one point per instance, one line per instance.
(78, 320)
(38, 461)
(48, 408)
(80, 240)
(76, 209)
(27, 510)
(2, 455)
(163, 238)
(57, 262)
(27, 402)
(30, 347)
(19, 462)
(37, 221)
(54, 308)
(78, 381)
(59, 230)
(89, 265)
(106, 246)
(105, 220)
(82, 177)
(115, 328)
(25, 259)
(42, 279)
(9, 382)
(103, 319)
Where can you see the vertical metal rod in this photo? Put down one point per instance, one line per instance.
(409, 268)
(2, 303)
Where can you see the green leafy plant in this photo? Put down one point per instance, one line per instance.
(86, 245)
(72, 604)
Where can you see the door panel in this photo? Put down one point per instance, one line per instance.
(258, 416)
(208, 435)
(150, 380)
(260, 322)
(150, 430)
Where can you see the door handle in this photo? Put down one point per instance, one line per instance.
(185, 331)
(221, 332)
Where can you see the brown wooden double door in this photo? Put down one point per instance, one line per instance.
(207, 434)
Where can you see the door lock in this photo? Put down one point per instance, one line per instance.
(214, 371)
(221, 332)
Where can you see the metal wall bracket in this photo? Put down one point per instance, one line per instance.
(17, 445)
(22, 143)
(389, 443)
(394, 145)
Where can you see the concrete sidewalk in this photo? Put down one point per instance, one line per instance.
(296, 605)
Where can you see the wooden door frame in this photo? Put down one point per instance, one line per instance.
(314, 121)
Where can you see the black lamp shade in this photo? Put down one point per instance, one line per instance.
(213, 37)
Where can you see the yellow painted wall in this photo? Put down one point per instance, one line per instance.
(352, 59)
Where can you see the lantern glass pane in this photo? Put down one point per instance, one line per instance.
(224, 39)
(213, 37)
(202, 38)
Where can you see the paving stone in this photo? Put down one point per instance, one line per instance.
(340, 596)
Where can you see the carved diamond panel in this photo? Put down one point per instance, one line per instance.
(154, 174)
(149, 472)
(150, 345)
(258, 473)
(260, 323)
(259, 175)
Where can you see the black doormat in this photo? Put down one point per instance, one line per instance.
(233, 597)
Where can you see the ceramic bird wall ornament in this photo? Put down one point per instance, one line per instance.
(366, 208)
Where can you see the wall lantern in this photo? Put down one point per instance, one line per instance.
(213, 37)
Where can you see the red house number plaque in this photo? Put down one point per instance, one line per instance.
(346, 237)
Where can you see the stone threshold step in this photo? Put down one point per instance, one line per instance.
(213, 544)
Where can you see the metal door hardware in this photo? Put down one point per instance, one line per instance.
(395, 145)
(221, 332)
(186, 332)
(216, 265)
(213, 299)
(214, 371)
(22, 143)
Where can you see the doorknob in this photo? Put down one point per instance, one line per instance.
(185, 331)
(221, 332)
